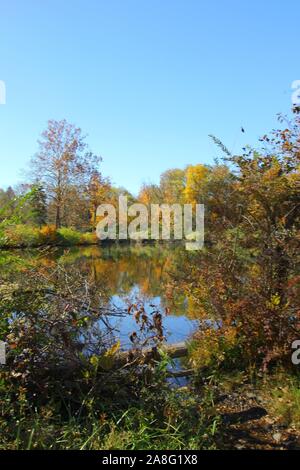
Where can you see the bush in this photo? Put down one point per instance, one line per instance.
(88, 238)
(24, 235)
(48, 234)
(21, 235)
(68, 236)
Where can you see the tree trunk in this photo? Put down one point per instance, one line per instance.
(57, 217)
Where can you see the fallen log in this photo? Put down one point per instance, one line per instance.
(123, 359)
(180, 373)
(174, 351)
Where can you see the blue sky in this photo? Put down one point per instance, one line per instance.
(147, 80)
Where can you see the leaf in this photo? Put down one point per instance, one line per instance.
(106, 361)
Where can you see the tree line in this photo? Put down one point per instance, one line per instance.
(256, 193)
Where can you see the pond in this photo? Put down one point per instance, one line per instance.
(126, 274)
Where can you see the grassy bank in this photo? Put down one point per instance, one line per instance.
(135, 416)
(223, 411)
(26, 236)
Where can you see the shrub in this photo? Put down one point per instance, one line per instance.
(48, 234)
(88, 238)
(68, 236)
(21, 235)
(25, 235)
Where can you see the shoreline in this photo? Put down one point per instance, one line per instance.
(99, 244)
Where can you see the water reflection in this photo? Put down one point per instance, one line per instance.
(130, 274)
(125, 274)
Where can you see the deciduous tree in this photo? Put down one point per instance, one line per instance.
(62, 163)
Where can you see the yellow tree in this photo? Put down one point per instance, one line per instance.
(172, 185)
(195, 180)
(98, 193)
(150, 194)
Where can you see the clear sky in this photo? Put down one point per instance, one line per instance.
(147, 80)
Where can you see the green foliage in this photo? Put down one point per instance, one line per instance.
(159, 420)
(88, 238)
(68, 236)
(13, 211)
(282, 391)
(38, 206)
(20, 236)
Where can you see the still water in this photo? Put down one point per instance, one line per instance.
(131, 274)
(125, 275)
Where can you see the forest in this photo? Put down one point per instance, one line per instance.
(64, 386)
